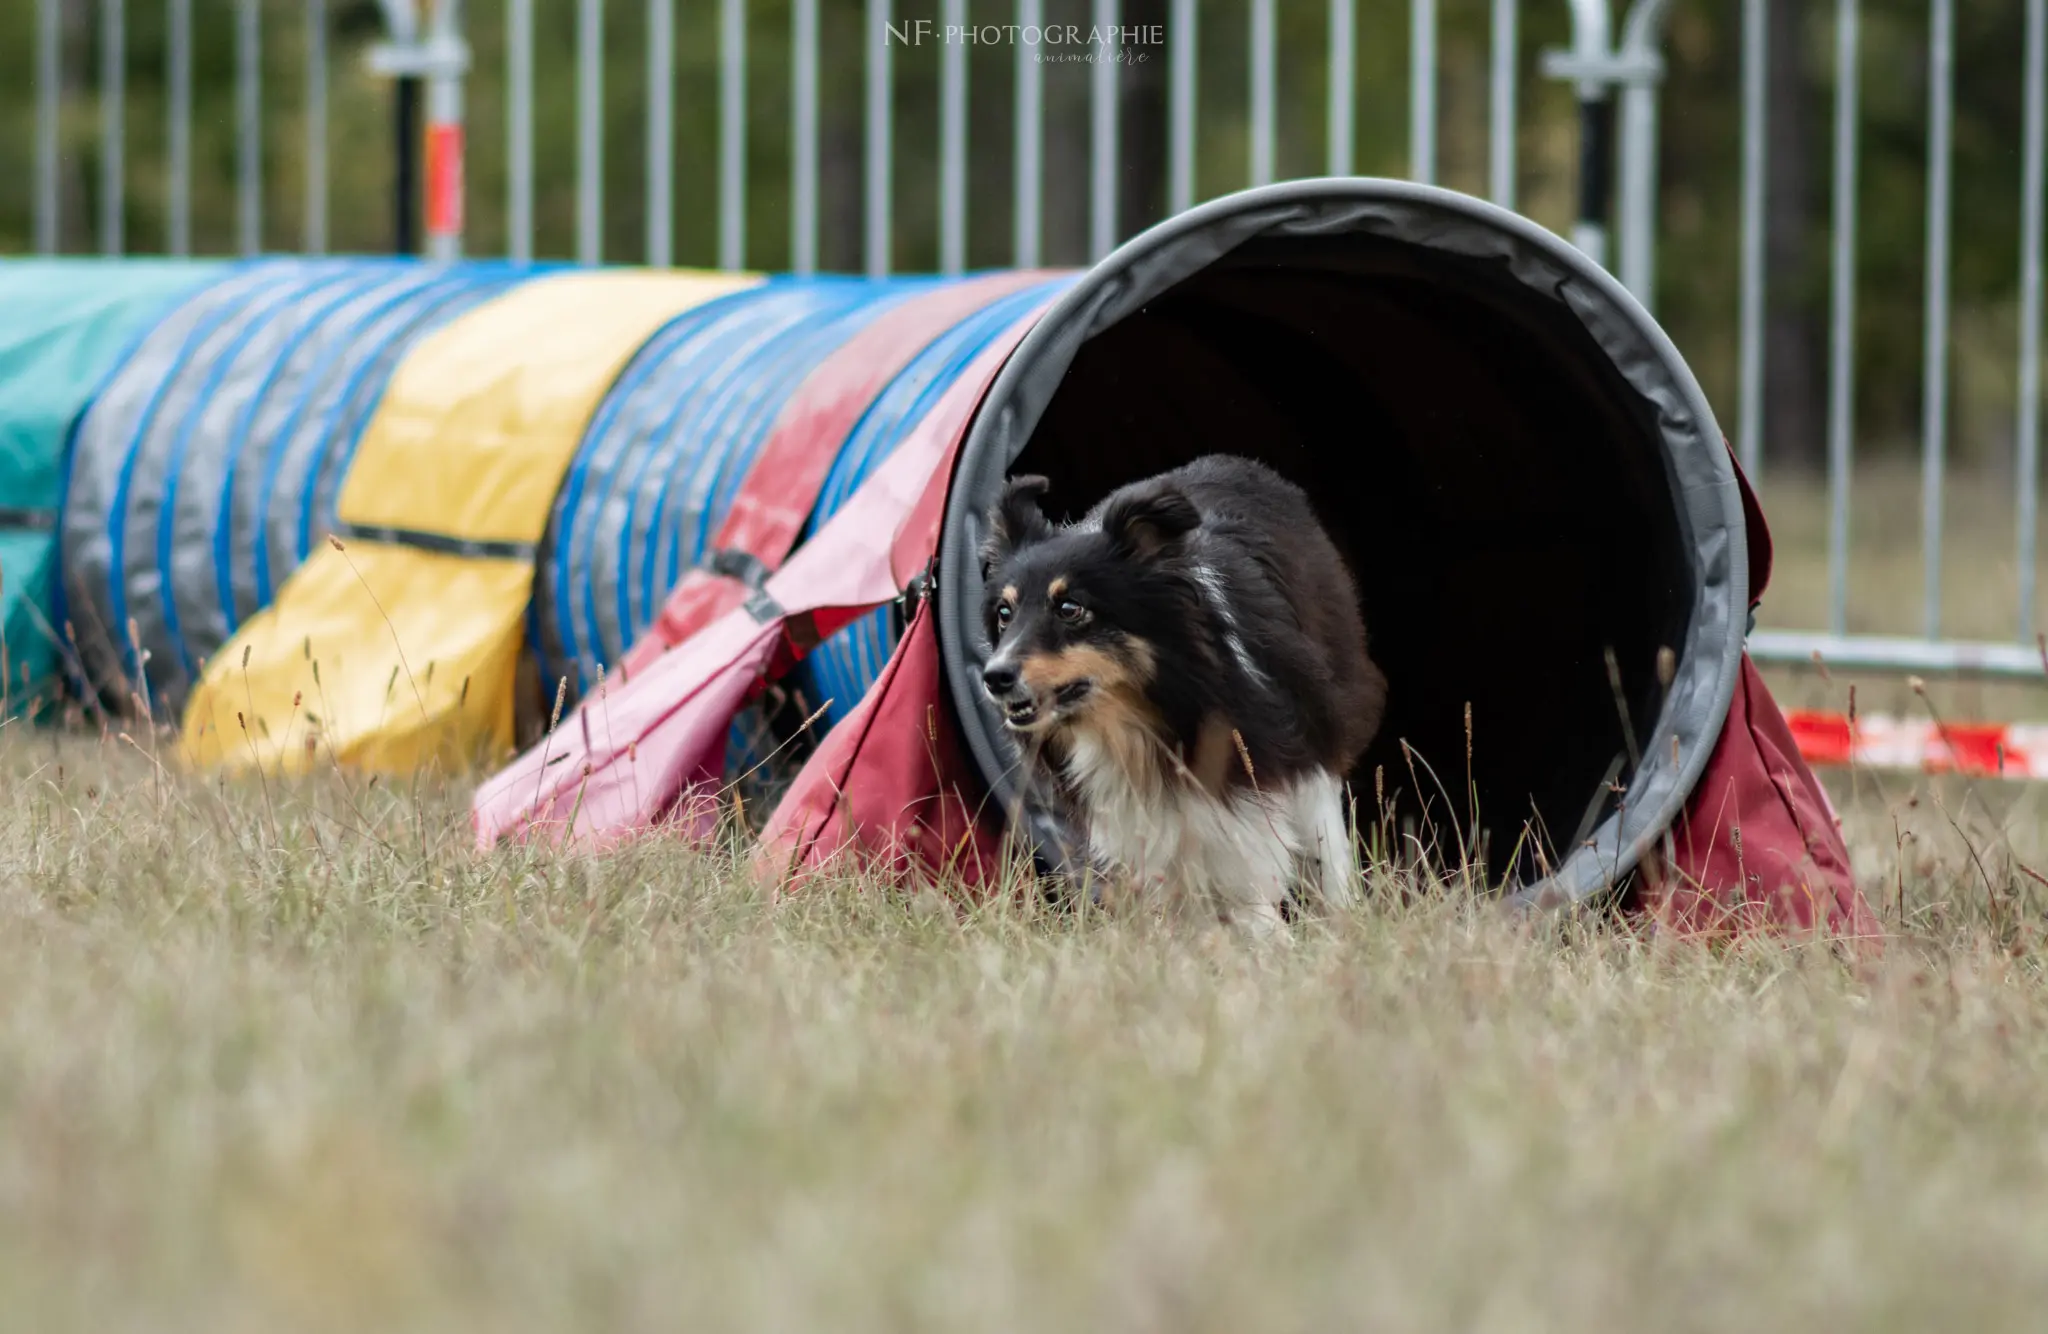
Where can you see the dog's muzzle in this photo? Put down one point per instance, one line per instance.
(1006, 687)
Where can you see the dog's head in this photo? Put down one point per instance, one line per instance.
(1078, 614)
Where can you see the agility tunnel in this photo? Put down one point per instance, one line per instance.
(209, 466)
(65, 325)
(1555, 552)
(399, 643)
(394, 514)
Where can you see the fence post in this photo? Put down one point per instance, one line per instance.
(441, 60)
(1501, 105)
(1180, 188)
(249, 126)
(881, 91)
(732, 134)
(519, 130)
(2034, 176)
(450, 60)
(1102, 133)
(316, 127)
(1586, 63)
(1637, 250)
(661, 86)
(1750, 318)
(1030, 136)
(113, 123)
(1262, 76)
(1422, 91)
(1597, 71)
(49, 74)
(803, 190)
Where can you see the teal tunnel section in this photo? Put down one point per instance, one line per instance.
(667, 451)
(211, 462)
(65, 326)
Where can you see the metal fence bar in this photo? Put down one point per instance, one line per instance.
(2027, 480)
(178, 132)
(1842, 315)
(1853, 653)
(1502, 103)
(1749, 430)
(1637, 269)
(1941, 77)
(661, 124)
(316, 127)
(881, 84)
(1422, 92)
(1030, 139)
(444, 166)
(953, 139)
(1102, 126)
(1263, 57)
(1180, 114)
(113, 123)
(590, 131)
(249, 125)
(519, 130)
(803, 164)
(1591, 24)
(49, 74)
(732, 135)
(1343, 84)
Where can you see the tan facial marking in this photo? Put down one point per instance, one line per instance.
(1010, 593)
(1057, 588)
(1111, 673)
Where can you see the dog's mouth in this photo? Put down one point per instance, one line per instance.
(1027, 715)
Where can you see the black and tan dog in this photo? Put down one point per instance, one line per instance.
(1186, 668)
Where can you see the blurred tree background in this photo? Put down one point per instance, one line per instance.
(1699, 194)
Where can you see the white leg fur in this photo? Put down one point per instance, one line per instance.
(1317, 807)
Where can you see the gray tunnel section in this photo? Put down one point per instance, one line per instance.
(211, 463)
(1521, 470)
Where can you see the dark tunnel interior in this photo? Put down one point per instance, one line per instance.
(1497, 486)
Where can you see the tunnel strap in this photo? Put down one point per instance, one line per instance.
(38, 521)
(751, 573)
(443, 544)
(738, 564)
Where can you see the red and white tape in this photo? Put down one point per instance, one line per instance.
(1991, 750)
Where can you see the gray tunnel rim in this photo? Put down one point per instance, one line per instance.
(1698, 468)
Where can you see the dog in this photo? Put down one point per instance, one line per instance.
(1186, 672)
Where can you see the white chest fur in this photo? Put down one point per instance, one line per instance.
(1237, 856)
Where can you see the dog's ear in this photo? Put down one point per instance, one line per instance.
(1014, 520)
(1146, 520)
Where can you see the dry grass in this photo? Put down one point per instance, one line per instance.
(289, 1057)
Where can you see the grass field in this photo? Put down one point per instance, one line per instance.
(288, 1056)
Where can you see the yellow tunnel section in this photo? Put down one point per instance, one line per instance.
(398, 645)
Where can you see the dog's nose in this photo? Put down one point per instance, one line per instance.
(999, 679)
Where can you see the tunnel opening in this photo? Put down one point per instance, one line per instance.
(1519, 469)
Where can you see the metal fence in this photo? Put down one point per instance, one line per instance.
(1613, 63)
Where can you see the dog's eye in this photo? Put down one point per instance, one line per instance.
(1004, 611)
(1070, 611)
